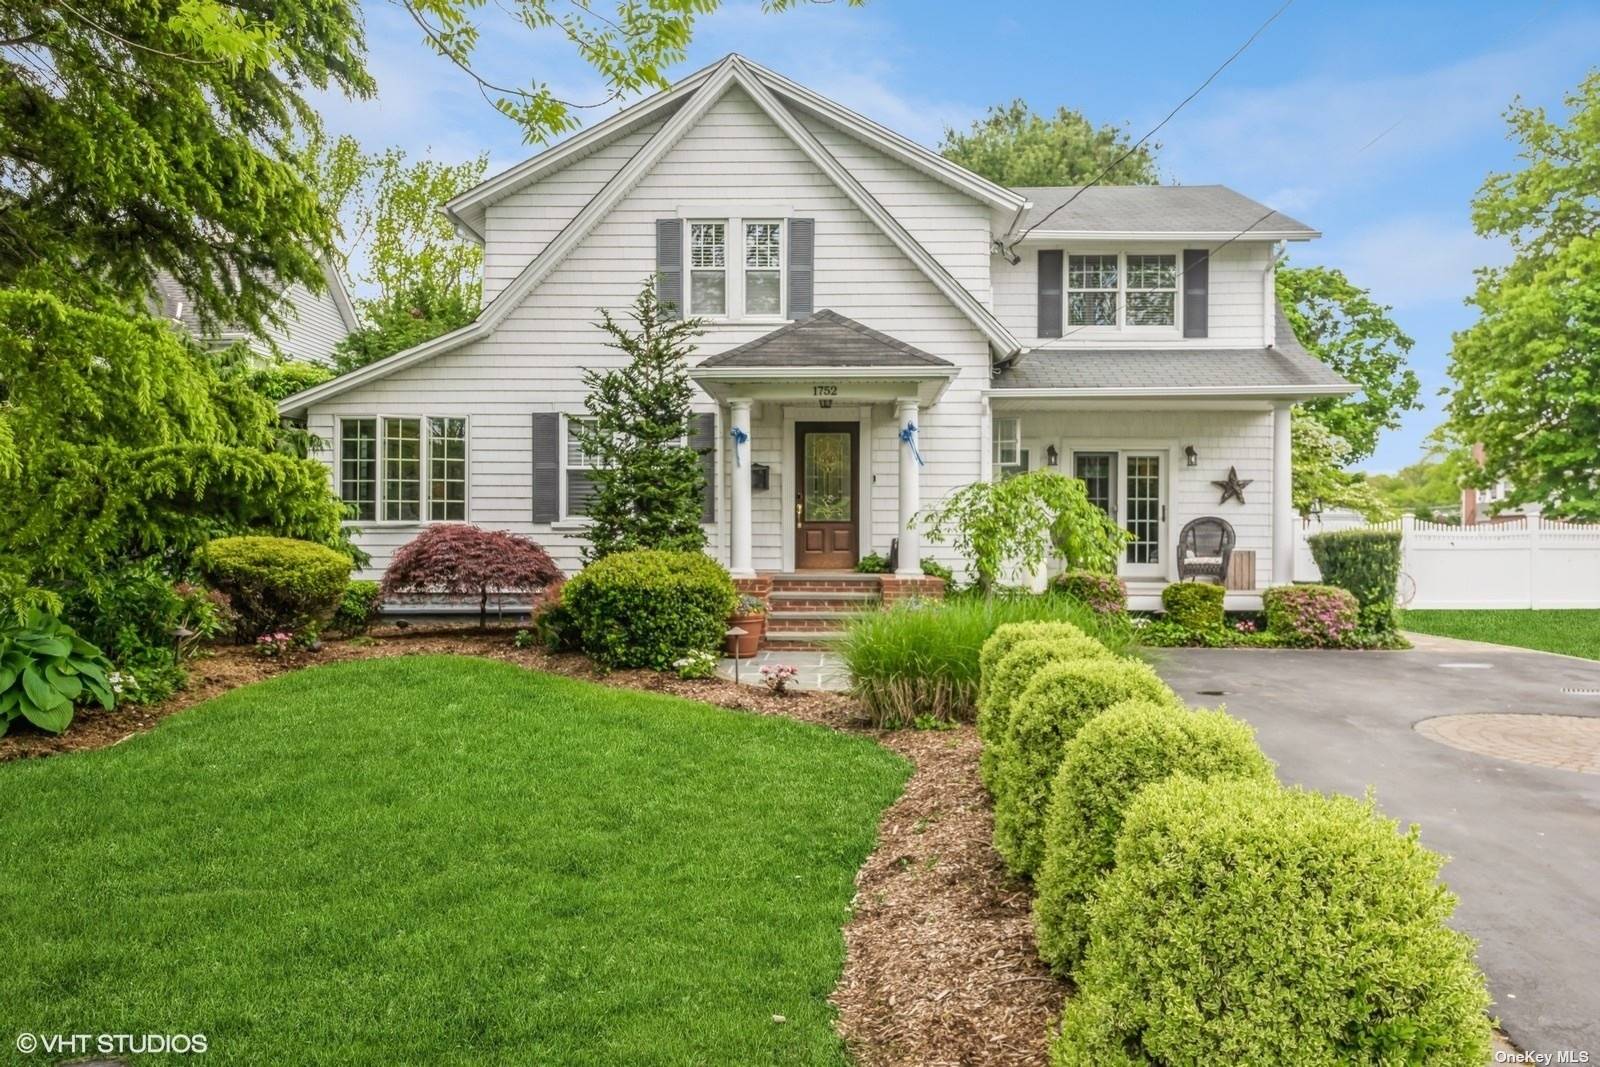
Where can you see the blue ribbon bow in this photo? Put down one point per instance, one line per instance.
(909, 436)
(739, 438)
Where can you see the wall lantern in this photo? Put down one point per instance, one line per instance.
(1052, 457)
(1191, 455)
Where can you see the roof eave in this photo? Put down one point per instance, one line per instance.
(1164, 392)
(1037, 236)
(902, 372)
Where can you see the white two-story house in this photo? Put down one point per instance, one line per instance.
(882, 328)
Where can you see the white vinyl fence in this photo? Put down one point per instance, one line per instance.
(1521, 563)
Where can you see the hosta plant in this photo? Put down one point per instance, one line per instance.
(46, 669)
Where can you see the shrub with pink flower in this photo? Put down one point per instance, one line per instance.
(1311, 616)
(275, 644)
(1245, 626)
(779, 676)
(1105, 594)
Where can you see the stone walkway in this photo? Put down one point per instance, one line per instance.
(818, 670)
(1569, 742)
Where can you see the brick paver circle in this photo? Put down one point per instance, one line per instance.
(1566, 742)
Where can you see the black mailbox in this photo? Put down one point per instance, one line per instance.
(758, 476)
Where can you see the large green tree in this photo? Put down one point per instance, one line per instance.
(1013, 145)
(397, 245)
(1340, 324)
(1431, 487)
(1527, 373)
(159, 136)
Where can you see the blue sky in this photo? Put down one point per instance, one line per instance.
(1291, 123)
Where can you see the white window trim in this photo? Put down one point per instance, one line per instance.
(1122, 327)
(733, 265)
(568, 520)
(1016, 441)
(782, 269)
(424, 499)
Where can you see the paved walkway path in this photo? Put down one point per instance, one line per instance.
(818, 670)
(1524, 839)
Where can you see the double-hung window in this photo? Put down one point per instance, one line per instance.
(1009, 456)
(1092, 290)
(579, 463)
(404, 469)
(763, 269)
(708, 268)
(1152, 290)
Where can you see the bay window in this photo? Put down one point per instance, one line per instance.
(405, 469)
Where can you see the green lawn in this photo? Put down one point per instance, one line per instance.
(442, 860)
(1575, 631)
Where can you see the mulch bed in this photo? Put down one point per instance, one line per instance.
(940, 964)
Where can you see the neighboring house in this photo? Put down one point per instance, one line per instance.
(313, 323)
(1493, 504)
(855, 286)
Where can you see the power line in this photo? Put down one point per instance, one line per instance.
(1157, 127)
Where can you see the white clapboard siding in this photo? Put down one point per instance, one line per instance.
(1237, 305)
(535, 360)
(1241, 439)
(312, 325)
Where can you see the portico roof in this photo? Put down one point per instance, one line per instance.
(825, 339)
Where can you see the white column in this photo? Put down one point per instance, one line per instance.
(910, 564)
(1282, 496)
(739, 419)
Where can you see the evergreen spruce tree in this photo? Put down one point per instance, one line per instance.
(647, 479)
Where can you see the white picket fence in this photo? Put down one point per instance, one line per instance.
(1521, 563)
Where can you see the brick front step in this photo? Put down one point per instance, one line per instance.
(803, 621)
(830, 583)
(798, 640)
(793, 603)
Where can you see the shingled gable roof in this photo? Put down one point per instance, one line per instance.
(825, 339)
(1282, 370)
(467, 210)
(733, 70)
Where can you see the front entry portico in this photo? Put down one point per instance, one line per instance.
(818, 401)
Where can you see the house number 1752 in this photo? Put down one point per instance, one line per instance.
(824, 390)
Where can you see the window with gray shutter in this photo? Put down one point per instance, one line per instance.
(1049, 292)
(546, 466)
(669, 265)
(703, 439)
(802, 263)
(1196, 291)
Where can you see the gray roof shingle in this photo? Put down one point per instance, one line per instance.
(1286, 366)
(825, 339)
(1153, 209)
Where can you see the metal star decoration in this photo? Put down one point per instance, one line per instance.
(1233, 487)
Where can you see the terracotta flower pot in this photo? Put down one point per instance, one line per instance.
(745, 645)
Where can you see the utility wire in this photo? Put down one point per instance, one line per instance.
(1154, 129)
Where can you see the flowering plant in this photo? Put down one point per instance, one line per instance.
(779, 676)
(275, 644)
(121, 681)
(1245, 626)
(1311, 616)
(699, 664)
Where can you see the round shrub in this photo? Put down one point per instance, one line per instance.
(359, 608)
(275, 583)
(1051, 710)
(1194, 605)
(1245, 923)
(1104, 594)
(1011, 676)
(649, 607)
(1009, 636)
(1311, 616)
(1115, 755)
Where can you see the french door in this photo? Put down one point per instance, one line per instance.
(1131, 487)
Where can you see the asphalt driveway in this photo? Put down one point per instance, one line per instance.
(1524, 840)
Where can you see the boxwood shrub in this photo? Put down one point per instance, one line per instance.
(1005, 638)
(275, 583)
(1105, 594)
(1114, 756)
(1245, 923)
(1060, 699)
(1310, 616)
(359, 608)
(1194, 605)
(1367, 563)
(649, 607)
(1010, 676)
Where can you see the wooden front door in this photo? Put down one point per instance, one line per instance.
(827, 497)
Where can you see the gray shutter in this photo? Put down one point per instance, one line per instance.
(802, 264)
(1196, 291)
(703, 439)
(1050, 292)
(669, 265)
(546, 466)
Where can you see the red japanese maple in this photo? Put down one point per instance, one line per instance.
(459, 559)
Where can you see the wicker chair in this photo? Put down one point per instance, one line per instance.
(1204, 548)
